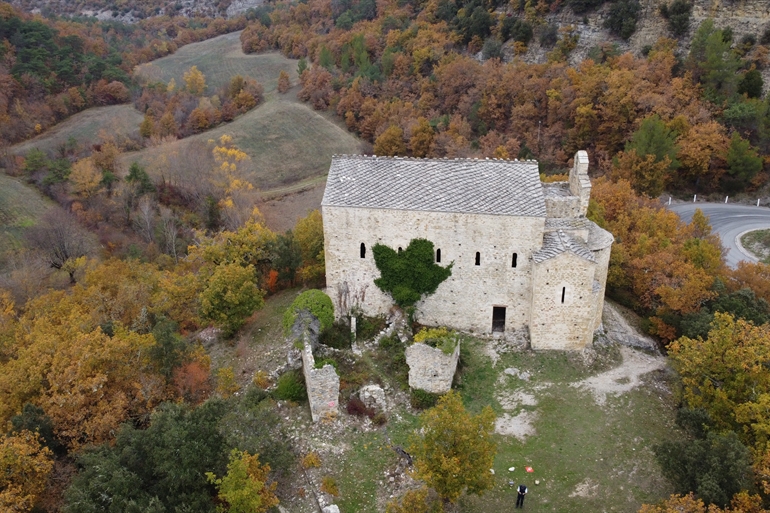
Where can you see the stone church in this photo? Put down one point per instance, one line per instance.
(525, 256)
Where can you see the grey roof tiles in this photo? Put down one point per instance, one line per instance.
(497, 187)
(558, 242)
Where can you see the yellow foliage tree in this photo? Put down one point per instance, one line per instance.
(422, 138)
(283, 82)
(391, 142)
(245, 487)
(25, 465)
(195, 81)
(85, 178)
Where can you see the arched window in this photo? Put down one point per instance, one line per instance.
(399, 250)
(563, 293)
(513, 261)
(363, 250)
(478, 258)
(438, 256)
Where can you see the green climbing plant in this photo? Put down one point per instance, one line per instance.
(410, 274)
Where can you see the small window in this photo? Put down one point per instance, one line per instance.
(513, 261)
(399, 250)
(438, 256)
(563, 293)
(363, 250)
(478, 258)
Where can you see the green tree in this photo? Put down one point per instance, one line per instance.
(409, 274)
(301, 66)
(244, 488)
(712, 63)
(230, 296)
(454, 449)
(288, 257)
(751, 84)
(654, 138)
(622, 16)
(325, 58)
(743, 163)
(315, 302)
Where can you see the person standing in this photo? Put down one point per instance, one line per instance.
(520, 498)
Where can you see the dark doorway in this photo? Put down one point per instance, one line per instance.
(498, 318)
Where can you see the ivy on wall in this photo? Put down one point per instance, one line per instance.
(410, 274)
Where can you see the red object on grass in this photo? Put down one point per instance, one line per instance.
(529, 469)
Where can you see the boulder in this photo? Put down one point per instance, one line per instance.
(373, 396)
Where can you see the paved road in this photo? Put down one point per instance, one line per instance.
(729, 221)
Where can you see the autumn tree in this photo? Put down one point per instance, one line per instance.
(245, 487)
(454, 449)
(309, 233)
(422, 138)
(195, 81)
(283, 82)
(26, 464)
(85, 178)
(230, 296)
(414, 501)
(741, 503)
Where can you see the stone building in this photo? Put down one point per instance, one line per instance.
(525, 256)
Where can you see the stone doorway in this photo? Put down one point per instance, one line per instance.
(498, 319)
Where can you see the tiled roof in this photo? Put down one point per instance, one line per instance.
(499, 187)
(557, 190)
(598, 238)
(556, 243)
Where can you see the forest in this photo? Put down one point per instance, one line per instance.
(111, 405)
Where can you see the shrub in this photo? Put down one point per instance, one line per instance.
(357, 407)
(329, 485)
(321, 362)
(261, 380)
(311, 460)
(765, 39)
(380, 419)
(337, 336)
(422, 400)
(314, 301)
(516, 29)
(492, 48)
(678, 16)
(622, 18)
(548, 37)
(291, 387)
(368, 327)
(440, 338)
(393, 359)
(582, 6)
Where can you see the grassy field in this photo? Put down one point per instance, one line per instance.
(20, 207)
(219, 59)
(85, 127)
(287, 141)
(757, 242)
(590, 451)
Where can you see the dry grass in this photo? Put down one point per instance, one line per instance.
(219, 59)
(20, 207)
(86, 127)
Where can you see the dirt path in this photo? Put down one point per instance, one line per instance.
(623, 378)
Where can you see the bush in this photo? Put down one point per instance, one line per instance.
(548, 37)
(314, 301)
(357, 407)
(678, 16)
(492, 48)
(393, 359)
(369, 327)
(337, 336)
(583, 6)
(321, 362)
(329, 485)
(311, 460)
(291, 387)
(765, 39)
(516, 29)
(440, 338)
(422, 400)
(380, 419)
(622, 18)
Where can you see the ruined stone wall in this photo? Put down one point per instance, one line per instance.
(465, 300)
(563, 206)
(323, 386)
(602, 266)
(579, 182)
(568, 324)
(430, 369)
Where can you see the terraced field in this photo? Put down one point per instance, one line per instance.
(219, 59)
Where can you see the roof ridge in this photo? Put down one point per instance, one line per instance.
(420, 159)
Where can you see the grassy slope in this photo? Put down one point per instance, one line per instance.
(20, 206)
(85, 127)
(219, 59)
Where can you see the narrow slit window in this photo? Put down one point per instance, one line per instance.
(478, 258)
(514, 259)
(438, 256)
(563, 293)
(363, 250)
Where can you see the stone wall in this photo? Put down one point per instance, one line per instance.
(465, 300)
(579, 182)
(566, 324)
(323, 386)
(430, 369)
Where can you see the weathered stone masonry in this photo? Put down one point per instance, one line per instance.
(524, 254)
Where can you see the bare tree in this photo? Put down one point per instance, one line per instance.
(169, 226)
(61, 239)
(144, 223)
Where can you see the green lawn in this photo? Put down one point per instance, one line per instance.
(20, 207)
